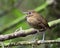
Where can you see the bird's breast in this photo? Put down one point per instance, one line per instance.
(31, 20)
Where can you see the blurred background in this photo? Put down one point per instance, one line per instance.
(12, 18)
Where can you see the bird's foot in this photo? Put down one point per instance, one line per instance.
(42, 41)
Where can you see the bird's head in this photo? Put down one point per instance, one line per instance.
(31, 13)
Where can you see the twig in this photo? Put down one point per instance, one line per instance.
(53, 23)
(33, 42)
(23, 33)
(17, 34)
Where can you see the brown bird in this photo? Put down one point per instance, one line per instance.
(37, 21)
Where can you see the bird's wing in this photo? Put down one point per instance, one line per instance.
(42, 21)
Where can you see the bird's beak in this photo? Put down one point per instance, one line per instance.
(25, 12)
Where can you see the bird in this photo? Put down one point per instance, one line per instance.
(37, 21)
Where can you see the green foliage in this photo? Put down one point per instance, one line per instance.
(15, 18)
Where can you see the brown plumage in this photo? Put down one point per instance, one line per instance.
(36, 21)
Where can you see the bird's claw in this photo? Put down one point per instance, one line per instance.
(42, 41)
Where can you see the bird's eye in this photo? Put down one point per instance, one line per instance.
(29, 13)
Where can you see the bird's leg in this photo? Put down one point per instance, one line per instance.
(35, 38)
(43, 36)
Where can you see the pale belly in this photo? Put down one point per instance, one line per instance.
(34, 23)
(32, 20)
